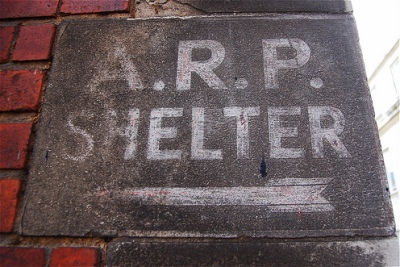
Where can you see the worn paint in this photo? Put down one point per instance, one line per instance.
(89, 142)
(242, 128)
(242, 114)
(156, 133)
(330, 134)
(131, 132)
(280, 195)
(277, 132)
(272, 64)
(198, 151)
(128, 72)
(182, 129)
(202, 68)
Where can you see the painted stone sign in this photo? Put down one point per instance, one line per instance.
(216, 126)
(329, 6)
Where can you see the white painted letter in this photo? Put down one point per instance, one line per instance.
(272, 63)
(156, 132)
(203, 68)
(198, 151)
(318, 133)
(86, 136)
(127, 71)
(276, 132)
(131, 132)
(242, 126)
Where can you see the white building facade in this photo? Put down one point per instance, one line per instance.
(385, 91)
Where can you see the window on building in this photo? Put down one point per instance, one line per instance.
(391, 176)
(395, 69)
(392, 182)
(379, 102)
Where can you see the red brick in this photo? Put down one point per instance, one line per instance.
(6, 34)
(20, 89)
(27, 8)
(34, 42)
(67, 256)
(21, 257)
(14, 138)
(93, 6)
(9, 190)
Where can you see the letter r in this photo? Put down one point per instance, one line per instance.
(203, 68)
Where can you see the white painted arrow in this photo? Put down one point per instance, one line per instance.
(280, 195)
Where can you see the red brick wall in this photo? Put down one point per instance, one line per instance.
(27, 34)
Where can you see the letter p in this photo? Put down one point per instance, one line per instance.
(272, 64)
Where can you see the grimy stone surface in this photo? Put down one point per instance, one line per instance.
(372, 252)
(208, 127)
(226, 6)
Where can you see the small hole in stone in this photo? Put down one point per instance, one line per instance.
(263, 168)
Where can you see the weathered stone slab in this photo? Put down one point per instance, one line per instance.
(216, 127)
(381, 252)
(221, 6)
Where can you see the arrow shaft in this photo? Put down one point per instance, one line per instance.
(283, 195)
